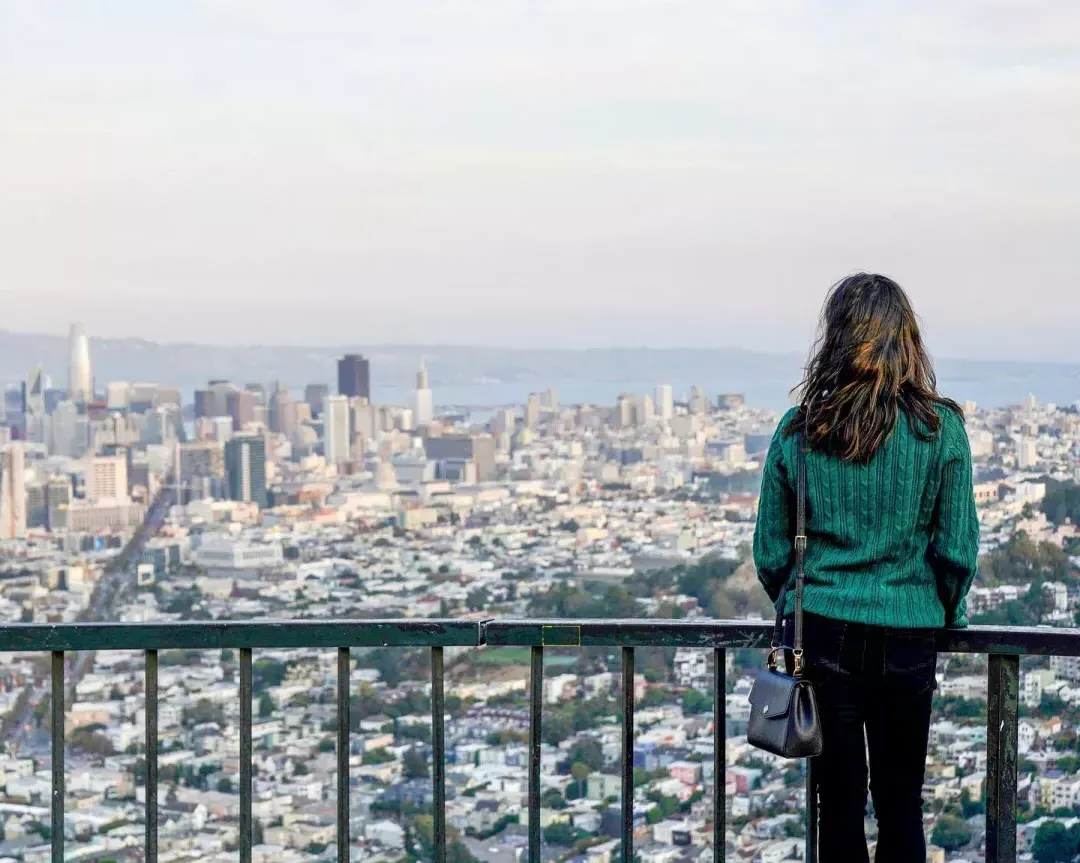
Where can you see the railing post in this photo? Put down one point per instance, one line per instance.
(245, 755)
(719, 755)
(536, 700)
(57, 723)
(1001, 753)
(151, 708)
(343, 785)
(811, 852)
(628, 755)
(438, 753)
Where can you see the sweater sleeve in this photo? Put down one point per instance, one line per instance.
(774, 547)
(954, 546)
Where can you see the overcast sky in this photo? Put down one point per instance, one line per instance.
(540, 172)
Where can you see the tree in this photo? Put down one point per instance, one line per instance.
(580, 772)
(266, 705)
(559, 833)
(694, 702)
(588, 752)
(477, 600)
(951, 833)
(225, 785)
(204, 711)
(415, 766)
(1053, 844)
(969, 807)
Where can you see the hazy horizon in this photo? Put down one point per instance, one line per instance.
(565, 174)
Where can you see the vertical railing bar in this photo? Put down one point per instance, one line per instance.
(628, 755)
(438, 752)
(811, 852)
(57, 723)
(536, 701)
(719, 755)
(245, 755)
(1001, 755)
(151, 710)
(343, 786)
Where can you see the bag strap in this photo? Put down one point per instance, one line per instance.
(800, 561)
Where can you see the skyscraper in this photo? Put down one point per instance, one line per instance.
(58, 495)
(118, 395)
(665, 402)
(68, 431)
(107, 479)
(316, 395)
(532, 411)
(354, 376)
(34, 405)
(245, 467)
(12, 492)
(424, 406)
(336, 426)
(283, 416)
(240, 405)
(80, 384)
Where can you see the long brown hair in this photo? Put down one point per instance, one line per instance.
(868, 364)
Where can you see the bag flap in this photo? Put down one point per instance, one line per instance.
(771, 694)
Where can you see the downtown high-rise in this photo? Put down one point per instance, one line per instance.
(80, 382)
(354, 376)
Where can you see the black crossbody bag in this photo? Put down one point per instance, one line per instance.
(783, 712)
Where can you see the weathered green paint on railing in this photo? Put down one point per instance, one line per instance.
(209, 635)
(507, 632)
(1003, 697)
(626, 633)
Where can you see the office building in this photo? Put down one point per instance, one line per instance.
(12, 491)
(68, 431)
(699, 402)
(14, 414)
(363, 425)
(646, 410)
(163, 425)
(354, 377)
(58, 496)
(504, 421)
(665, 402)
(336, 430)
(452, 453)
(423, 401)
(315, 395)
(167, 397)
(144, 397)
(34, 406)
(80, 382)
(1027, 456)
(730, 401)
(36, 513)
(202, 459)
(107, 479)
(240, 405)
(245, 469)
(283, 415)
(532, 411)
(118, 395)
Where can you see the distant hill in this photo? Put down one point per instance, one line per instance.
(492, 375)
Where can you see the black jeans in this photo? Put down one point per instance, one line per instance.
(878, 681)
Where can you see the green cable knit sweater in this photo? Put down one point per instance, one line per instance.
(892, 543)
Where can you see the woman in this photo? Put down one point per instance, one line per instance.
(892, 543)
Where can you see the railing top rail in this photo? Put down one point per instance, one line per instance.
(421, 632)
(425, 632)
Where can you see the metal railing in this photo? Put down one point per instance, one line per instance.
(1004, 645)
